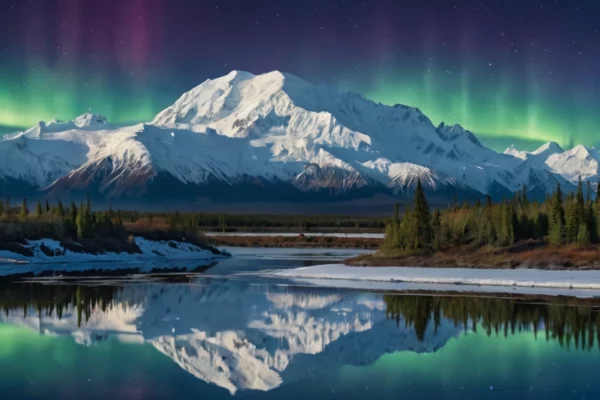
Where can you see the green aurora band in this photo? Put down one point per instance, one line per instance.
(500, 110)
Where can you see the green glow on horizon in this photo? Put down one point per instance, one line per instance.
(43, 94)
(492, 106)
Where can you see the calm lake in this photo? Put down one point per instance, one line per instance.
(214, 334)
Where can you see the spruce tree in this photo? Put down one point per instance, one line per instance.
(556, 218)
(436, 226)
(1, 208)
(119, 223)
(588, 199)
(541, 226)
(24, 211)
(571, 220)
(73, 213)
(524, 200)
(80, 221)
(38, 209)
(592, 222)
(421, 219)
(60, 209)
(583, 235)
(580, 203)
(47, 207)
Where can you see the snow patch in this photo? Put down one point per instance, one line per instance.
(518, 278)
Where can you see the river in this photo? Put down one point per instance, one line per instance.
(214, 334)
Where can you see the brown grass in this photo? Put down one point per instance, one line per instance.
(527, 254)
(299, 241)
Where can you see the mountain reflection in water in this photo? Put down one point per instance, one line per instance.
(238, 335)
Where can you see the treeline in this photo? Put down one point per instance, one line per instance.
(247, 222)
(58, 222)
(559, 220)
(572, 326)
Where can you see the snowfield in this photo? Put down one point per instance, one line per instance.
(575, 283)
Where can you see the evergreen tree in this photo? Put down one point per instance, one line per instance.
(556, 218)
(583, 236)
(592, 222)
(541, 226)
(119, 223)
(396, 213)
(524, 200)
(47, 207)
(73, 213)
(588, 199)
(24, 211)
(422, 220)
(38, 209)
(572, 221)
(436, 226)
(488, 201)
(1, 208)
(60, 209)
(80, 221)
(7, 209)
(580, 203)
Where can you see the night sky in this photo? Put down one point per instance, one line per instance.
(519, 71)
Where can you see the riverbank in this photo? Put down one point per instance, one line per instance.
(51, 251)
(469, 280)
(298, 241)
(529, 254)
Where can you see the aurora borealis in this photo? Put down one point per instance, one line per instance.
(518, 71)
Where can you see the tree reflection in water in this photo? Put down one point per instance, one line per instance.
(573, 323)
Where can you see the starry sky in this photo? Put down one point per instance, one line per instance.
(513, 71)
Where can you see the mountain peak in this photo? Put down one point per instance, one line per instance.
(582, 152)
(90, 120)
(550, 147)
(452, 132)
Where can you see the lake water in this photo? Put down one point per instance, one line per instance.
(214, 335)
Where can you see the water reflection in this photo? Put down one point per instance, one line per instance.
(573, 323)
(239, 335)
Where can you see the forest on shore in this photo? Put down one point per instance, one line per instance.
(561, 232)
(80, 228)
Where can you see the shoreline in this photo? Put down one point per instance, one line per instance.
(516, 281)
(49, 251)
(524, 255)
(297, 241)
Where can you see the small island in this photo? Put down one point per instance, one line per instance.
(560, 233)
(76, 233)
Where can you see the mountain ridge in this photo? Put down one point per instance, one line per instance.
(273, 137)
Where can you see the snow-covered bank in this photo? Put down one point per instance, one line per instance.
(575, 283)
(47, 251)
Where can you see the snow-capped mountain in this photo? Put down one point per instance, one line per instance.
(264, 137)
(578, 162)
